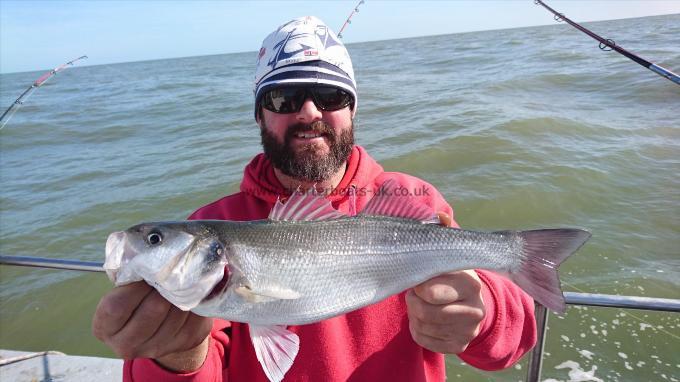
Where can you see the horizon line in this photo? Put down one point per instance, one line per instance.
(254, 51)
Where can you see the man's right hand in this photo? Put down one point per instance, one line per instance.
(137, 322)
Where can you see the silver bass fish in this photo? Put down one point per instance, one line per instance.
(309, 262)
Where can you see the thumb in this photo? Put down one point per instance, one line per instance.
(444, 219)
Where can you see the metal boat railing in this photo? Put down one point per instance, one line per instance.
(44, 262)
(591, 299)
(536, 356)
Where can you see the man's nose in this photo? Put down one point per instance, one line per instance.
(308, 112)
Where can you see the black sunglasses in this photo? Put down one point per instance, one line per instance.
(289, 99)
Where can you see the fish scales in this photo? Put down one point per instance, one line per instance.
(340, 265)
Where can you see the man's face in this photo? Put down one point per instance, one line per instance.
(309, 145)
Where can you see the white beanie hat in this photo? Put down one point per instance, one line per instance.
(303, 51)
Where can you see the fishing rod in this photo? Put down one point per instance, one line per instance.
(27, 93)
(349, 19)
(609, 44)
(44, 262)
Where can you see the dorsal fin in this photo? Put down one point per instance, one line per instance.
(304, 206)
(393, 200)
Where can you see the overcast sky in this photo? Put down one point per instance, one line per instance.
(40, 35)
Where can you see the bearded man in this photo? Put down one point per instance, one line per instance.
(305, 103)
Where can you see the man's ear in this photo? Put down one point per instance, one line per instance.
(258, 116)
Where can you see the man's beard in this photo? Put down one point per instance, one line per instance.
(307, 164)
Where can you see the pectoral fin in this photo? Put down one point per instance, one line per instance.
(276, 348)
(265, 295)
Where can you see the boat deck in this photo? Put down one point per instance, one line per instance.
(55, 366)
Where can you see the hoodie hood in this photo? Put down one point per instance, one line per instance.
(259, 179)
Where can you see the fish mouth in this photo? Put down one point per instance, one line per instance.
(220, 287)
(115, 243)
(115, 249)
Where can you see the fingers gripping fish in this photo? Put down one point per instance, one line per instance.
(308, 262)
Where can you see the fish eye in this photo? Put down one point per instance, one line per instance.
(154, 238)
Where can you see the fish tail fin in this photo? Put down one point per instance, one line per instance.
(542, 253)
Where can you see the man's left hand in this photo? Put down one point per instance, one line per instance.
(445, 313)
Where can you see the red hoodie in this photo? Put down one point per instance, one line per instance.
(369, 344)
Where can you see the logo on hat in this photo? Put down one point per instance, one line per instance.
(280, 46)
(323, 38)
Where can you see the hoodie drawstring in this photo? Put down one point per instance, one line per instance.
(352, 200)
